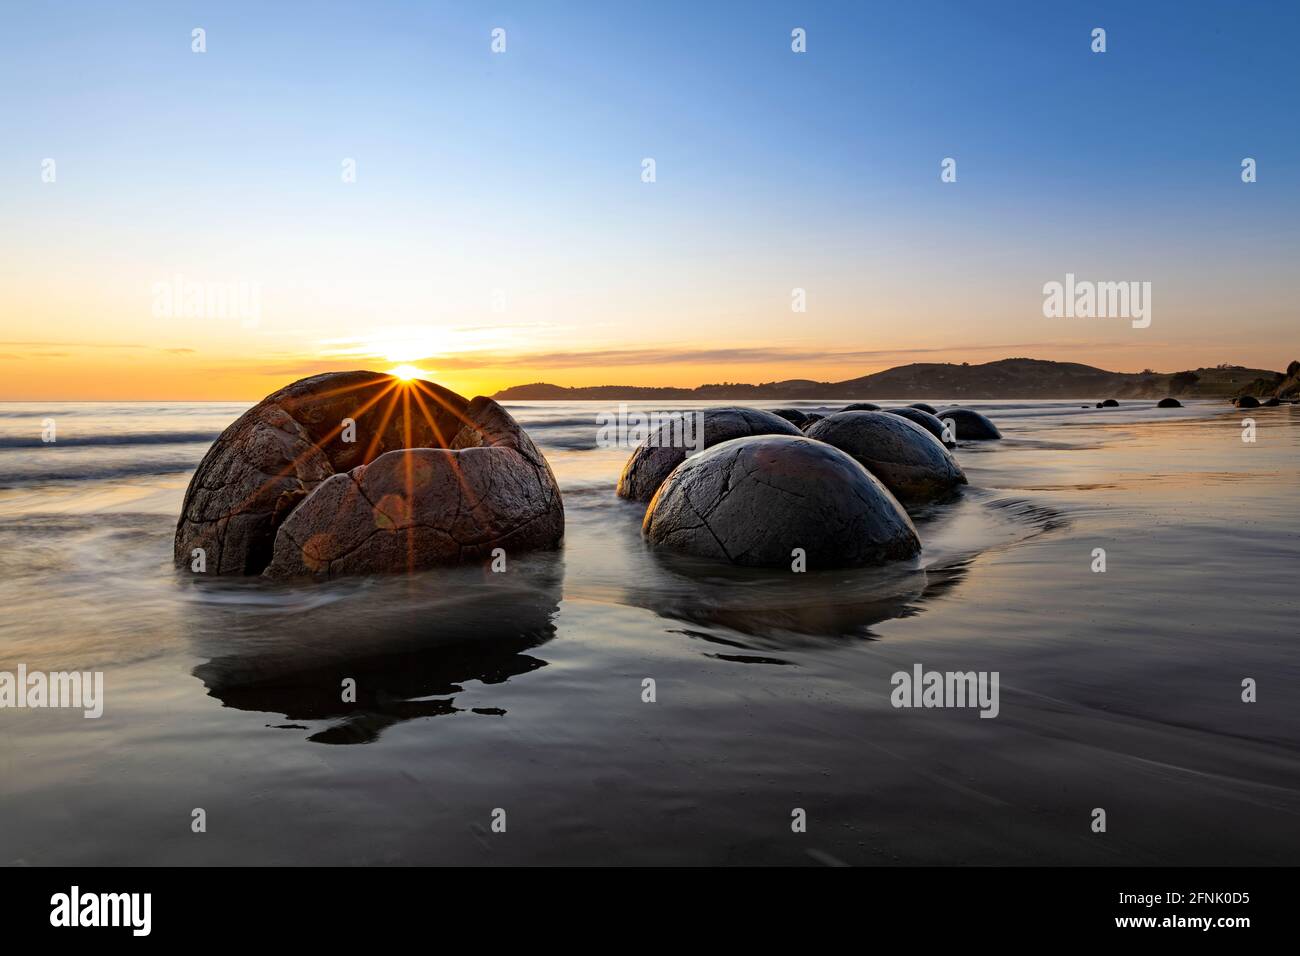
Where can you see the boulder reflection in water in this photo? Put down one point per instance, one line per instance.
(409, 643)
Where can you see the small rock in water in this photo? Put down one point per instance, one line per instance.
(791, 415)
(923, 418)
(970, 425)
(907, 459)
(657, 456)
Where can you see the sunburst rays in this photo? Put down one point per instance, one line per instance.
(397, 389)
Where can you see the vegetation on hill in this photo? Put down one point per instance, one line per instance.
(1006, 378)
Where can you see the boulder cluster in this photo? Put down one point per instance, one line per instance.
(360, 472)
(830, 492)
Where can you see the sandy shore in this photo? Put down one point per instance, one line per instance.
(1119, 691)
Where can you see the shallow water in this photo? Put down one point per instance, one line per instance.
(523, 691)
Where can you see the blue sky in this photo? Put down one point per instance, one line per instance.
(774, 170)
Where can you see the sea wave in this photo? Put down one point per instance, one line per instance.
(136, 438)
(95, 473)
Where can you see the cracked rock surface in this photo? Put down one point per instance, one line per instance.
(286, 463)
(969, 425)
(752, 501)
(926, 420)
(907, 459)
(655, 458)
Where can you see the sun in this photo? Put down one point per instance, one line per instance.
(406, 372)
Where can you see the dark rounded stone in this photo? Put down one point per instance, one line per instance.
(791, 415)
(923, 406)
(652, 461)
(1108, 403)
(969, 425)
(285, 463)
(861, 407)
(752, 501)
(1169, 403)
(1247, 401)
(907, 459)
(925, 419)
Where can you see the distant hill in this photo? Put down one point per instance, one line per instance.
(1282, 384)
(1007, 378)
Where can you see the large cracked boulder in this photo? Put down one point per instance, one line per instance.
(662, 451)
(321, 435)
(969, 425)
(927, 421)
(752, 501)
(907, 459)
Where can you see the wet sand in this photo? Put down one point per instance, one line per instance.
(1119, 690)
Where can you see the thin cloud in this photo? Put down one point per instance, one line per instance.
(718, 356)
(611, 358)
(28, 343)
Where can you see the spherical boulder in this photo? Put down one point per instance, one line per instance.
(1247, 401)
(923, 406)
(1108, 403)
(907, 459)
(662, 450)
(1169, 403)
(752, 501)
(926, 420)
(861, 407)
(791, 415)
(969, 425)
(307, 457)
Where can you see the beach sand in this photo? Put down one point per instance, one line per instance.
(1119, 690)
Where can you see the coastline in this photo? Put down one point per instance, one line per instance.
(1118, 689)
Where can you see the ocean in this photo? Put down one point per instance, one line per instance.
(608, 704)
